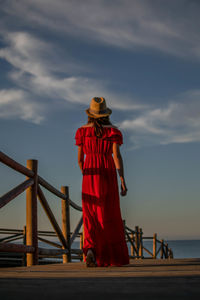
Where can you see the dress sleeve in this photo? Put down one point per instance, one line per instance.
(79, 137)
(117, 136)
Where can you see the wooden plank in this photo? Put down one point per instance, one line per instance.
(15, 192)
(4, 247)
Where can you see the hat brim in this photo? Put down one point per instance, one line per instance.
(93, 115)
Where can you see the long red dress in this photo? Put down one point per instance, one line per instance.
(103, 226)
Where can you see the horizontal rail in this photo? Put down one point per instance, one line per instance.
(15, 192)
(44, 251)
(10, 231)
(4, 247)
(15, 165)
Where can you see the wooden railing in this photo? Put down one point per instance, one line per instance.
(32, 185)
(44, 236)
(31, 235)
(136, 240)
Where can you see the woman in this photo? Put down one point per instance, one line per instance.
(104, 239)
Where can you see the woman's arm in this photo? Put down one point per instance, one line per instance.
(119, 166)
(80, 158)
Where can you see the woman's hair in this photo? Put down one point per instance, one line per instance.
(98, 124)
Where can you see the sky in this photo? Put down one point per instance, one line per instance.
(143, 56)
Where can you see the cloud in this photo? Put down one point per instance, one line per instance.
(37, 78)
(16, 104)
(171, 27)
(178, 122)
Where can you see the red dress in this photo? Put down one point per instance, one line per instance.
(103, 226)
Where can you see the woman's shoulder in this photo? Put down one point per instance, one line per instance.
(86, 126)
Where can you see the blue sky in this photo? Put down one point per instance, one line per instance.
(144, 58)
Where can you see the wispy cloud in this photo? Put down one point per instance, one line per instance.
(172, 27)
(36, 77)
(177, 122)
(16, 103)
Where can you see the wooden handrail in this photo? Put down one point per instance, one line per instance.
(25, 171)
(5, 247)
(15, 165)
(15, 192)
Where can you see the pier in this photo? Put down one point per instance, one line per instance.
(141, 279)
(159, 277)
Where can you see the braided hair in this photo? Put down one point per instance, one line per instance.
(98, 124)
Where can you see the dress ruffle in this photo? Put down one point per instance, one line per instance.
(109, 133)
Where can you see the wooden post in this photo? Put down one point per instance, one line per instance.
(132, 248)
(166, 251)
(31, 215)
(141, 243)
(66, 222)
(137, 241)
(24, 242)
(154, 245)
(170, 253)
(81, 244)
(161, 249)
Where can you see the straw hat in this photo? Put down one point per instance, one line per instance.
(98, 108)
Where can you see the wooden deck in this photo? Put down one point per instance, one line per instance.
(142, 279)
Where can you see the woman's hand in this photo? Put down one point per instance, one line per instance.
(123, 187)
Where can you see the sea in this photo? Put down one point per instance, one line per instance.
(180, 248)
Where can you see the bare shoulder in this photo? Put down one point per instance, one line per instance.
(87, 125)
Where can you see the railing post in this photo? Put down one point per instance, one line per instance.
(81, 244)
(141, 244)
(66, 222)
(24, 242)
(83, 241)
(161, 249)
(137, 241)
(154, 245)
(167, 250)
(132, 248)
(31, 215)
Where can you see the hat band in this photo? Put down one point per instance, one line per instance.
(99, 112)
